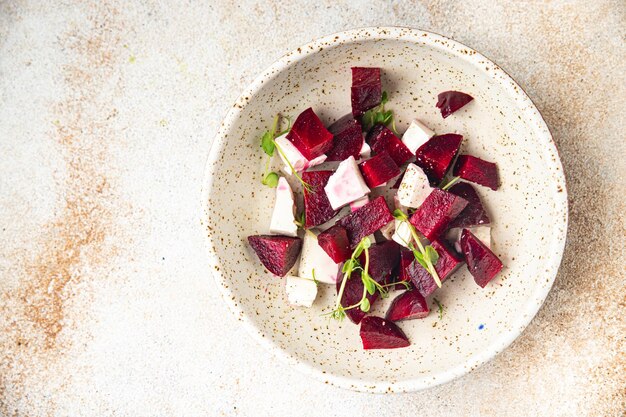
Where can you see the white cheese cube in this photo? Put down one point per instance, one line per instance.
(397, 204)
(416, 135)
(294, 157)
(402, 233)
(313, 258)
(283, 216)
(357, 204)
(414, 187)
(346, 184)
(300, 292)
(366, 151)
(388, 230)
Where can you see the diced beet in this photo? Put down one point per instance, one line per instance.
(447, 263)
(347, 140)
(366, 220)
(379, 333)
(335, 243)
(367, 89)
(436, 155)
(379, 169)
(317, 209)
(408, 305)
(352, 294)
(381, 139)
(474, 213)
(276, 253)
(450, 101)
(477, 170)
(406, 259)
(309, 135)
(384, 258)
(482, 263)
(437, 212)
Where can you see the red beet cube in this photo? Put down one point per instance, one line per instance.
(474, 213)
(482, 263)
(477, 170)
(276, 253)
(436, 155)
(408, 305)
(384, 258)
(366, 220)
(450, 101)
(309, 135)
(447, 263)
(347, 140)
(379, 333)
(352, 294)
(367, 90)
(381, 139)
(317, 208)
(379, 169)
(437, 212)
(335, 243)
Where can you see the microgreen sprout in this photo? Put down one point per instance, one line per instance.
(450, 183)
(300, 222)
(370, 286)
(426, 256)
(439, 307)
(378, 115)
(269, 145)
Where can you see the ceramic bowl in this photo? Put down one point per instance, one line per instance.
(529, 211)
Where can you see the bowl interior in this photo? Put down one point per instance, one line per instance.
(528, 212)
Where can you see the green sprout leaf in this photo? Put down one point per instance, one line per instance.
(378, 115)
(267, 143)
(365, 305)
(399, 215)
(439, 307)
(270, 179)
(369, 284)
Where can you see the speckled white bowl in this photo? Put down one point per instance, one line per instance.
(529, 211)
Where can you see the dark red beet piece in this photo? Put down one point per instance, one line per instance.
(450, 101)
(436, 155)
(309, 135)
(447, 263)
(317, 208)
(477, 170)
(437, 212)
(335, 243)
(347, 140)
(379, 333)
(474, 213)
(276, 253)
(352, 294)
(482, 263)
(366, 220)
(381, 139)
(367, 90)
(408, 305)
(379, 169)
(384, 258)
(406, 259)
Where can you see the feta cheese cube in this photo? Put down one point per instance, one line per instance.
(388, 230)
(346, 184)
(283, 216)
(414, 187)
(416, 135)
(300, 292)
(366, 151)
(357, 204)
(313, 258)
(294, 156)
(402, 233)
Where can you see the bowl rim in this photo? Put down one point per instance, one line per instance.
(537, 297)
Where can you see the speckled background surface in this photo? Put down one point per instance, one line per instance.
(107, 111)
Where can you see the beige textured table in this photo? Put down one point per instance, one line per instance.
(107, 111)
